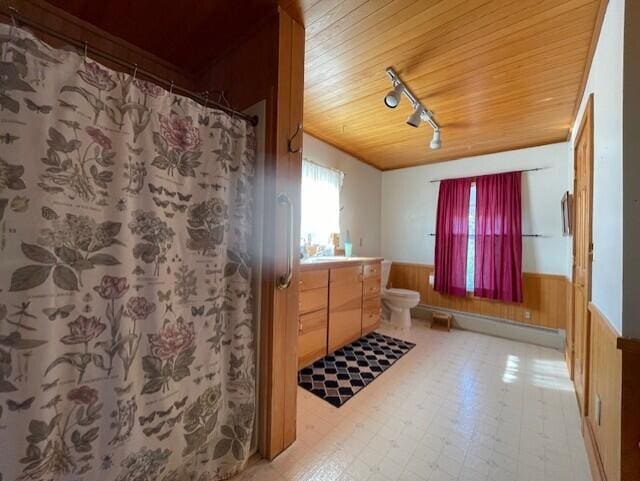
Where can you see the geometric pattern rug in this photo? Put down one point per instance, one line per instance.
(338, 377)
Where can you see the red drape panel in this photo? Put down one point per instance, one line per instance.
(498, 238)
(452, 230)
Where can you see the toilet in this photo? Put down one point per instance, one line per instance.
(397, 303)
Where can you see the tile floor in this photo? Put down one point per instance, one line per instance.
(460, 406)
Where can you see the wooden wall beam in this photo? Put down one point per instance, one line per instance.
(63, 22)
(269, 65)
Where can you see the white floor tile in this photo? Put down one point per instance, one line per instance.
(460, 406)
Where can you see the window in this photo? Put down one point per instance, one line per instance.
(482, 218)
(471, 240)
(320, 205)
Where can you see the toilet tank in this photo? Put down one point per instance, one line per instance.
(384, 278)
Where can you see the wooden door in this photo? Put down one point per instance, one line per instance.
(582, 255)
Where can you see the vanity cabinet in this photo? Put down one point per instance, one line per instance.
(313, 308)
(371, 308)
(345, 306)
(339, 302)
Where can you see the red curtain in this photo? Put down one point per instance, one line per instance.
(452, 230)
(498, 237)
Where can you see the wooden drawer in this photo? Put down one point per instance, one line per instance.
(312, 337)
(372, 270)
(371, 304)
(371, 312)
(371, 287)
(313, 299)
(351, 274)
(314, 279)
(313, 321)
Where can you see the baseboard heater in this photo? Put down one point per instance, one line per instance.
(542, 336)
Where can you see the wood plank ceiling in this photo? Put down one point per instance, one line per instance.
(498, 75)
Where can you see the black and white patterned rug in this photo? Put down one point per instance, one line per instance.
(336, 378)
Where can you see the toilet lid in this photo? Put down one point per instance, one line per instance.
(401, 293)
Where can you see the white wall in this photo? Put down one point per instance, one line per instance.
(359, 198)
(409, 203)
(605, 82)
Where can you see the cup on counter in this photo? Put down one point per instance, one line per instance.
(348, 248)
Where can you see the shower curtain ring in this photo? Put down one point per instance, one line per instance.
(171, 88)
(14, 23)
(12, 13)
(86, 50)
(206, 100)
(135, 71)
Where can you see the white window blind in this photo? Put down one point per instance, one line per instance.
(320, 203)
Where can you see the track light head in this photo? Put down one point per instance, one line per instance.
(392, 99)
(435, 141)
(416, 117)
(420, 112)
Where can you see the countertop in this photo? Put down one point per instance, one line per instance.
(317, 263)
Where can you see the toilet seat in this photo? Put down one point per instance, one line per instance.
(402, 293)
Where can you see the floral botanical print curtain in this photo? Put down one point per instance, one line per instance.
(127, 346)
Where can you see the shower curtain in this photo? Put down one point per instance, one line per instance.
(127, 347)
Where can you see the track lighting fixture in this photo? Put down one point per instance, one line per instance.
(416, 117)
(435, 141)
(392, 99)
(420, 113)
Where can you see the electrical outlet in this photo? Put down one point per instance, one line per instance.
(527, 315)
(598, 409)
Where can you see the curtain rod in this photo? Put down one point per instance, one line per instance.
(521, 235)
(200, 97)
(504, 172)
(323, 166)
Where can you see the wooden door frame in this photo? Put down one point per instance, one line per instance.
(277, 384)
(587, 120)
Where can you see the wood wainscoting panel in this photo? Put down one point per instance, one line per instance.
(545, 297)
(613, 440)
(630, 410)
(605, 382)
